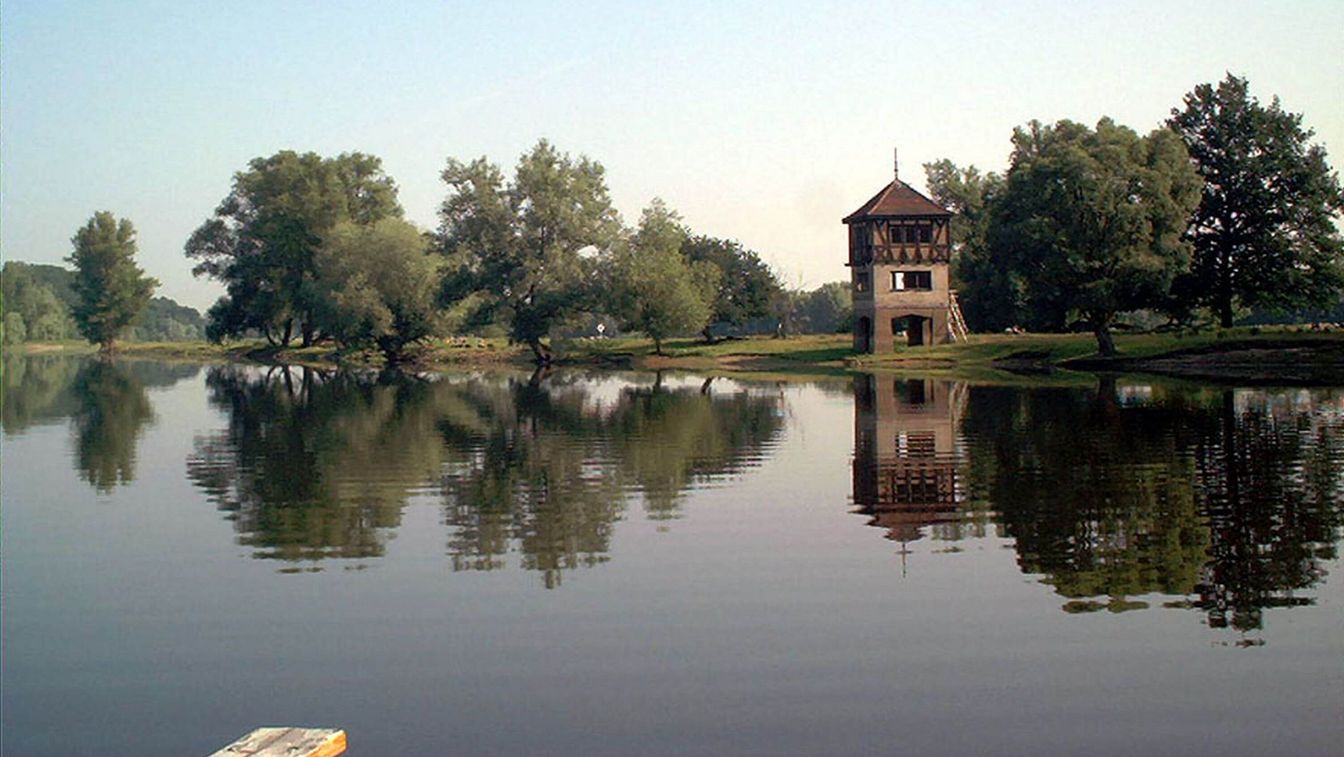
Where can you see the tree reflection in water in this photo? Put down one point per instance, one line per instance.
(1230, 500)
(38, 389)
(106, 402)
(316, 465)
(113, 410)
(549, 469)
(1270, 475)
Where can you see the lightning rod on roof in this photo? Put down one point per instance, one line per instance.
(895, 164)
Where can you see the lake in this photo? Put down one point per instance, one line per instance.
(620, 563)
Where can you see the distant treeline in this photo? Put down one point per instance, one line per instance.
(38, 301)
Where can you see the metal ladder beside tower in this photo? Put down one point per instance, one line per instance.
(956, 323)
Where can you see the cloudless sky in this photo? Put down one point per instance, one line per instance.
(765, 122)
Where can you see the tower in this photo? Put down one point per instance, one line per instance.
(900, 244)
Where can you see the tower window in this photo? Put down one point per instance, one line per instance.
(911, 280)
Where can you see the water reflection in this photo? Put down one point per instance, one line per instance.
(106, 402)
(547, 469)
(315, 465)
(1270, 471)
(113, 411)
(1228, 501)
(38, 389)
(1099, 496)
(905, 465)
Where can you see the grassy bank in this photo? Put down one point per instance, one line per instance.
(1259, 354)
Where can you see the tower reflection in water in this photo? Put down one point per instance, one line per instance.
(905, 464)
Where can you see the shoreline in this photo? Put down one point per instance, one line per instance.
(1294, 358)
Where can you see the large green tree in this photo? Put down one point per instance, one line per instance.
(263, 238)
(654, 288)
(1264, 233)
(377, 284)
(1093, 220)
(110, 289)
(747, 287)
(528, 248)
(991, 295)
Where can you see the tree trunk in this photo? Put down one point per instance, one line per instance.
(540, 352)
(1105, 343)
(1225, 312)
(709, 335)
(657, 346)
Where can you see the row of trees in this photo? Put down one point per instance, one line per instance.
(1228, 207)
(312, 248)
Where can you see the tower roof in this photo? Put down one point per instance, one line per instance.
(897, 200)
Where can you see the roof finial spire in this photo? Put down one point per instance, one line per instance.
(895, 164)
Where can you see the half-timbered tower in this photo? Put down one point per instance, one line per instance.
(900, 245)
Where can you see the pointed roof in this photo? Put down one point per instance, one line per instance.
(897, 200)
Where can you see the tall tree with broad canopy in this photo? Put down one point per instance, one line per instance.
(263, 238)
(378, 284)
(1094, 219)
(991, 296)
(1264, 233)
(654, 288)
(110, 289)
(528, 249)
(747, 286)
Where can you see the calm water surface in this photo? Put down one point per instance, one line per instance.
(481, 563)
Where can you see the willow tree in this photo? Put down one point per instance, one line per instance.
(376, 285)
(1093, 220)
(654, 288)
(110, 289)
(263, 239)
(527, 249)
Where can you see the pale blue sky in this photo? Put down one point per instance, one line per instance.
(764, 122)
